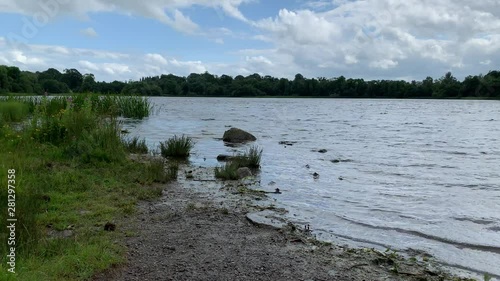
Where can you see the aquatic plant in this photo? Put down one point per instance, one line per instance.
(251, 158)
(176, 147)
(133, 106)
(228, 171)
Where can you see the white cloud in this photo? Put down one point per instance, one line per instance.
(354, 38)
(156, 59)
(20, 57)
(115, 68)
(259, 60)
(384, 64)
(88, 66)
(89, 32)
(166, 11)
(386, 38)
(190, 66)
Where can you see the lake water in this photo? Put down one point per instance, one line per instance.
(419, 174)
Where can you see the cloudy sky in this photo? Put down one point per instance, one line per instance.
(370, 39)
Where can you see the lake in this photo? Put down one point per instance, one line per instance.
(405, 174)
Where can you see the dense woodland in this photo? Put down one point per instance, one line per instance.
(52, 81)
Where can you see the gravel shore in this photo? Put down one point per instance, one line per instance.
(203, 229)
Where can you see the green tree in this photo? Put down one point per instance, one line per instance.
(88, 83)
(446, 86)
(73, 78)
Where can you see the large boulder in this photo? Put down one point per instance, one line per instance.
(235, 135)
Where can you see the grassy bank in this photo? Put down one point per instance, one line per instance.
(137, 107)
(73, 177)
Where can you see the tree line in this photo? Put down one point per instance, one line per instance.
(52, 81)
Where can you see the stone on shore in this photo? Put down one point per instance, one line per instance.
(267, 218)
(235, 135)
(244, 172)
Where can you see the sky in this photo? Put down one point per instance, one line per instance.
(369, 39)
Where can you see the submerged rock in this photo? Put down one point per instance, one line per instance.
(223, 157)
(235, 135)
(244, 172)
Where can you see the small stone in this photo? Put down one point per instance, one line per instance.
(244, 172)
(109, 226)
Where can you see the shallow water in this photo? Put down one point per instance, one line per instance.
(420, 174)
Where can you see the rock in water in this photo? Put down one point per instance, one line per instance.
(244, 172)
(223, 157)
(236, 135)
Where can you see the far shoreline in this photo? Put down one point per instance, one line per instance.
(259, 97)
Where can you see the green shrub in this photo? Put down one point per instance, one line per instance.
(135, 145)
(176, 147)
(13, 111)
(229, 171)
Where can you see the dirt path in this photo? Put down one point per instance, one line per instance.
(199, 231)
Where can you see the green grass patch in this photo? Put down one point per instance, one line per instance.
(72, 177)
(159, 172)
(134, 106)
(228, 171)
(13, 111)
(176, 147)
(127, 106)
(251, 158)
(136, 145)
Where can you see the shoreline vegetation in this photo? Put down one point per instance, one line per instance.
(78, 187)
(73, 180)
(52, 81)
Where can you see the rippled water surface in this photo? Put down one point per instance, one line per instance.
(420, 174)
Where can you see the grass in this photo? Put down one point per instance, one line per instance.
(251, 159)
(136, 107)
(136, 145)
(228, 171)
(72, 172)
(176, 147)
(158, 172)
(13, 111)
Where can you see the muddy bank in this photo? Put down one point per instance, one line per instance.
(202, 229)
